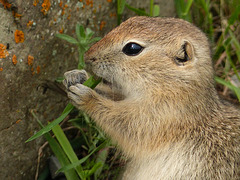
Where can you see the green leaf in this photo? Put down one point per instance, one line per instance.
(137, 11)
(151, 7)
(234, 16)
(82, 32)
(120, 6)
(93, 169)
(94, 40)
(78, 32)
(61, 156)
(89, 32)
(92, 82)
(229, 85)
(67, 38)
(57, 150)
(67, 148)
(187, 8)
(102, 157)
(75, 164)
(81, 63)
(156, 10)
(48, 128)
(59, 79)
(236, 44)
(89, 36)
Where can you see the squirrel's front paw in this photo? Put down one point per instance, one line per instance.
(74, 77)
(79, 94)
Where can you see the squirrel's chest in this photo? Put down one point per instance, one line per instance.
(169, 165)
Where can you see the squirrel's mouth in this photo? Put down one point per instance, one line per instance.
(105, 81)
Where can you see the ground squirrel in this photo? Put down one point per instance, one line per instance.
(169, 121)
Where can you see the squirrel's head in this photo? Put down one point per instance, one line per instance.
(146, 53)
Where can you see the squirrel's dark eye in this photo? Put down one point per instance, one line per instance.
(132, 49)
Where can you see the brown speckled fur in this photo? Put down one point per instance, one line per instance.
(170, 123)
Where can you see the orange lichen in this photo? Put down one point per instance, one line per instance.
(69, 16)
(35, 2)
(61, 3)
(3, 51)
(80, 0)
(6, 4)
(63, 11)
(109, 1)
(113, 15)
(38, 69)
(45, 6)
(30, 23)
(61, 31)
(89, 2)
(63, 8)
(14, 59)
(102, 24)
(18, 121)
(16, 15)
(30, 60)
(1, 69)
(19, 36)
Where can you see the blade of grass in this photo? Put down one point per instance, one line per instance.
(187, 8)
(151, 7)
(93, 169)
(102, 157)
(120, 8)
(137, 11)
(209, 20)
(57, 150)
(156, 10)
(81, 63)
(179, 7)
(78, 32)
(234, 16)
(67, 38)
(236, 43)
(67, 148)
(229, 85)
(92, 82)
(79, 162)
(48, 128)
(82, 32)
(229, 59)
(183, 8)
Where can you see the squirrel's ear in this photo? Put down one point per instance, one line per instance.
(184, 54)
